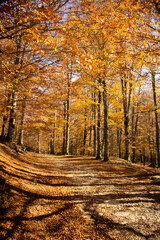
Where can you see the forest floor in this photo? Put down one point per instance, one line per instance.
(67, 197)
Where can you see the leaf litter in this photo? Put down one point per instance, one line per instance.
(68, 197)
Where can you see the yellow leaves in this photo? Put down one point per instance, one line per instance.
(146, 108)
(2, 28)
(100, 88)
(49, 40)
(78, 105)
(65, 62)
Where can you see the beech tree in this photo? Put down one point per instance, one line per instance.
(82, 72)
(22, 22)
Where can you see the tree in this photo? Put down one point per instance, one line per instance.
(153, 74)
(23, 22)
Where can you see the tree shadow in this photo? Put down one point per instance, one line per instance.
(17, 220)
(117, 196)
(102, 223)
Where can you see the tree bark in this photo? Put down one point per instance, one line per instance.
(106, 127)
(84, 137)
(90, 141)
(126, 110)
(4, 127)
(5, 117)
(119, 141)
(53, 136)
(68, 114)
(134, 133)
(99, 150)
(20, 137)
(12, 117)
(64, 131)
(156, 116)
(150, 140)
(94, 123)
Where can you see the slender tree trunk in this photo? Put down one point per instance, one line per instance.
(53, 136)
(12, 117)
(106, 127)
(150, 142)
(50, 140)
(90, 141)
(3, 133)
(94, 123)
(156, 116)
(71, 147)
(127, 141)
(64, 131)
(144, 156)
(151, 151)
(20, 137)
(5, 118)
(84, 137)
(76, 146)
(119, 141)
(99, 150)
(68, 115)
(133, 155)
(134, 133)
(126, 109)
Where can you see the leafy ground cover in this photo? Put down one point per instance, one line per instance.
(68, 197)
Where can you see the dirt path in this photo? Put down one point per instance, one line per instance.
(56, 197)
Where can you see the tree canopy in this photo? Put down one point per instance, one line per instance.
(82, 77)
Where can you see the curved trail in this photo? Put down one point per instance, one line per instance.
(60, 197)
(120, 199)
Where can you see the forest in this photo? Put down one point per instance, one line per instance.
(81, 77)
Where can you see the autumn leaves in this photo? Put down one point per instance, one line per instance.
(96, 55)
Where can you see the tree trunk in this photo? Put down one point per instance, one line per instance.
(90, 141)
(5, 117)
(126, 110)
(4, 126)
(106, 127)
(127, 141)
(99, 124)
(84, 137)
(151, 152)
(150, 141)
(71, 147)
(20, 137)
(134, 133)
(53, 136)
(119, 141)
(68, 115)
(156, 116)
(144, 156)
(64, 131)
(94, 123)
(12, 118)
